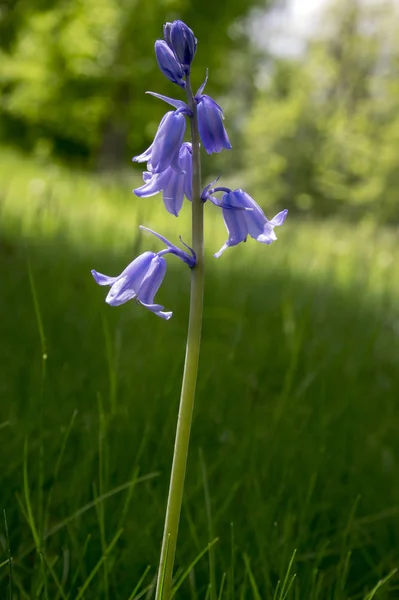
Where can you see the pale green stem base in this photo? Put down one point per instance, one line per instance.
(164, 582)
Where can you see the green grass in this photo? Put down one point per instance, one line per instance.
(293, 465)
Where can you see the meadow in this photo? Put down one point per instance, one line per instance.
(292, 490)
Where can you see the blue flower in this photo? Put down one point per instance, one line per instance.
(210, 124)
(139, 281)
(173, 184)
(164, 151)
(243, 217)
(182, 40)
(168, 63)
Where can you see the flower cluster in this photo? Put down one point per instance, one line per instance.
(169, 170)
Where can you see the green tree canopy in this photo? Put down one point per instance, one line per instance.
(324, 133)
(74, 72)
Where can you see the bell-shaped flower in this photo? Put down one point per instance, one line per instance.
(210, 124)
(140, 281)
(243, 217)
(164, 151)
(168, 63)
(174, 184)
(182, 40)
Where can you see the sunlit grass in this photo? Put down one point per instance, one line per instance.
(295, 446)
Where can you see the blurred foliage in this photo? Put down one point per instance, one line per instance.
(74, 72)
(323, 133)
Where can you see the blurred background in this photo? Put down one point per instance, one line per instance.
(295, 442)
(312, 106)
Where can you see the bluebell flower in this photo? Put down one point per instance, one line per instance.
(210, 125)
(243, 217)
(139, 281)
(142, 278)
(183, 41)
(168, 63)
(164, 151)
(174, 185)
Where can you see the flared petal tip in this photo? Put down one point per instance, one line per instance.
(157, 309)
(279, 218)
(220, 252)
(102, 279)
(165, 315)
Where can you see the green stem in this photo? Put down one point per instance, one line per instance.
(173, 509)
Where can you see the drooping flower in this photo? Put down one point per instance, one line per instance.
(168, 63)
(142, 278)
(183, 41)
(213, 134)
(174, 185)
(139, 281)
(243, 217)
(164, 150)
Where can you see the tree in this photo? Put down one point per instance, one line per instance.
(74, 72)
(325, 130)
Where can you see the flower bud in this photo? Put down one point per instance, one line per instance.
(168, 63)
(183, 42)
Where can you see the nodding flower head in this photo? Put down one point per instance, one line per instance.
(214, 137)
(139, 281)
(168, 63)
(174, 184)
(164, 151)
(243, 217)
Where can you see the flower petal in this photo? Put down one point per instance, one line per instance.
(157, 310)
(184, 43)
(167, 142)
(234, 220)
(152, 280)
(267, 236)
(168, 63)
(120, 292)
(210, 125)
(279, 218)
(154, 183)
(222, 249)
(103, 279)
(146, 155)
(186, 164)
(127, 285)
(255, 218)
(173, 193)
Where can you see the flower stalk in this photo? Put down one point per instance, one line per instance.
(174, 168)
(182, 439)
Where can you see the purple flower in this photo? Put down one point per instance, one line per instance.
(172, 183)
(181, 38)
(243, 217)
(139, 281)
(164, 150)
(168, 63)
(210, 124)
